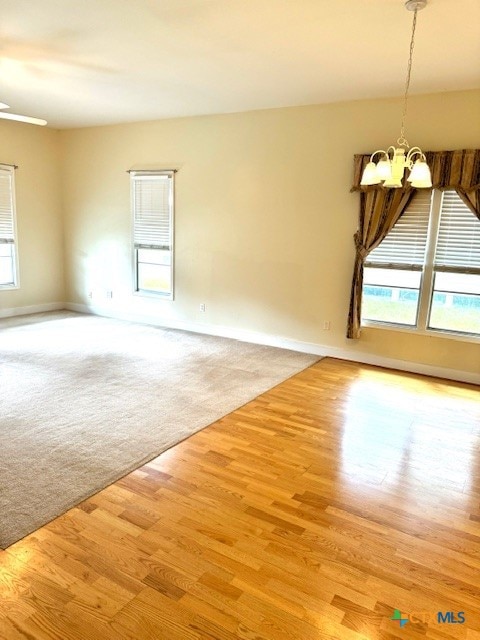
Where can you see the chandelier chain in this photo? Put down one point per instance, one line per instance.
(402, 140)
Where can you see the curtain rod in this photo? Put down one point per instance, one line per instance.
(151, 170)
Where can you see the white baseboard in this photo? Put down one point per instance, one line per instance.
(284, 343)
(199, 327)
(34, 308)
(408, 366)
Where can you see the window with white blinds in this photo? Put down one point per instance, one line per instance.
(152, 206)
(8, 266)
(425, 275)
(405, 245)
(153, 220)
(458, 242)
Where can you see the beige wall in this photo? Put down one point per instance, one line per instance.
(264, 217)
(39, 221)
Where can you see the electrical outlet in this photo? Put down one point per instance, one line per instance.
(90, 294)
(109, 294)
(203, 307)
(326, 325)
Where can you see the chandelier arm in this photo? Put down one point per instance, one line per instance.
(402, 140)
(379, 151)
(392, 149)
(414, 151)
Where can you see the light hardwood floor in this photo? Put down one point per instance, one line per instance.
(312, 512)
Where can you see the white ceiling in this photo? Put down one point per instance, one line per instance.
(91, 62)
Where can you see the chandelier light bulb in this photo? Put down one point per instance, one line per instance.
(420, 176)
(370, 175)
(384, 169)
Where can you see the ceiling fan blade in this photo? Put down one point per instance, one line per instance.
(14, 116)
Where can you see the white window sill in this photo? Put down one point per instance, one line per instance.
(9, 287)
(155, 295)
(432, 333)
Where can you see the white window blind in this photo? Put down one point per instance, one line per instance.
(152, 210)
(404, 246)
(458, 243)
(7, 222)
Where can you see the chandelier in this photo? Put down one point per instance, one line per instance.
(391, 165)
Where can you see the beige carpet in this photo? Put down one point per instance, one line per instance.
(84, 400)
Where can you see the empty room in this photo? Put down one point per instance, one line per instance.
(239, 320)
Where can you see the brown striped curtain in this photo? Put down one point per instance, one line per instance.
(380, 209)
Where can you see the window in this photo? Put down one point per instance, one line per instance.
(152, 204)
(8, 252)
(426, 273)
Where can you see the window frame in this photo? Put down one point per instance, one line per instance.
(426, 290)
(10, 169)
(145, 293)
